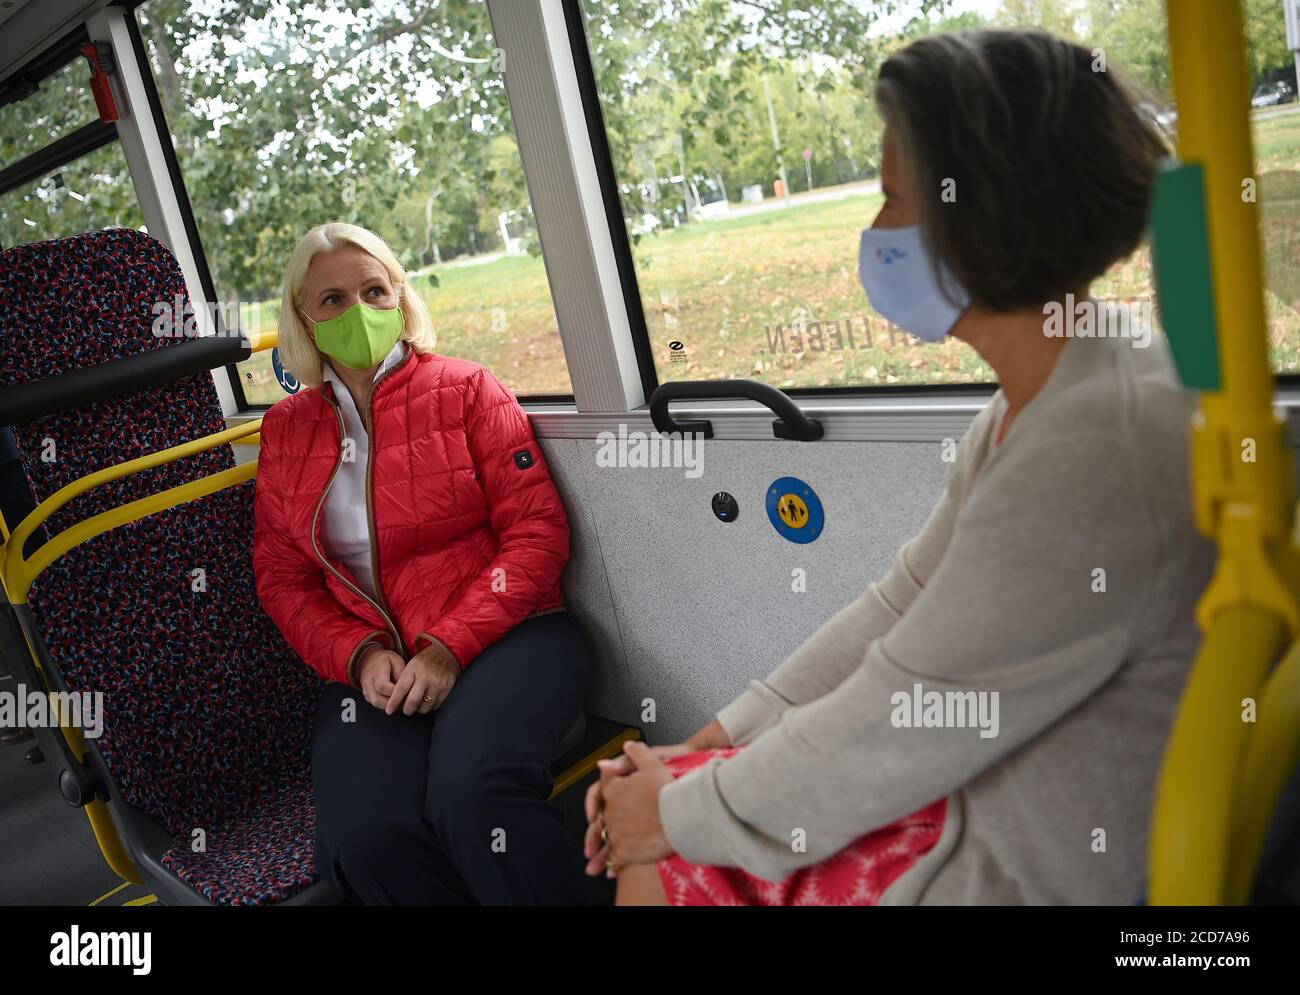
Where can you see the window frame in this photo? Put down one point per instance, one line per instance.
(177, 181)
(552, 134)
(604, 163)
(43, 65)
(159, 204)
(61, 152)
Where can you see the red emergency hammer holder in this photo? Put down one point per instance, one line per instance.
(101, 63)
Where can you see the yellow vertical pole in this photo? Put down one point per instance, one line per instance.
(1242, 486)
(1211, 86)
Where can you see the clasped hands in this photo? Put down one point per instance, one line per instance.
(622, 807)
(418, 685)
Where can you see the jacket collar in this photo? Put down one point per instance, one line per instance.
(397, 357)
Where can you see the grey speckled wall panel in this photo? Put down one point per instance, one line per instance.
(586, 584)
(684, 609)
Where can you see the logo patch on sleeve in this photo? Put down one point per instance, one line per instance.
(523, 459)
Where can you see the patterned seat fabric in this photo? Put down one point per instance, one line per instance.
(207, 709)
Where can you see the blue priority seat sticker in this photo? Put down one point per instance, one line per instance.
(287, 380)
(795, 510)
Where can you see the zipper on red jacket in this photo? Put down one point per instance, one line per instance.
(392, 628)
(370, 476)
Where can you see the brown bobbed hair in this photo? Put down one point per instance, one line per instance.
(1051, 160)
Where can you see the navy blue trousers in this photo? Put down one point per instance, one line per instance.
(451, 808)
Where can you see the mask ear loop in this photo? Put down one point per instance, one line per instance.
(401, 297)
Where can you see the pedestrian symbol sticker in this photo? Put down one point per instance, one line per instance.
(795, 510)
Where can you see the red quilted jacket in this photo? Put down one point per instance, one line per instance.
(467, 528)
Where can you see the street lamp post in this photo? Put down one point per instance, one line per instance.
(1292, 14)
(776, 138)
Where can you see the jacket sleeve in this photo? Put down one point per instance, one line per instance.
(291, 585)
(526, 514)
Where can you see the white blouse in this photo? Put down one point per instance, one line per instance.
(344, 528)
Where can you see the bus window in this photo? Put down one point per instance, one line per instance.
(92, 192)
(762, 285)
(746, 181)
(283, 118)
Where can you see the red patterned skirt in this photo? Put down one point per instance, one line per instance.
(857, 875)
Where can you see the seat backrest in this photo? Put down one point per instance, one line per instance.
(207, 707)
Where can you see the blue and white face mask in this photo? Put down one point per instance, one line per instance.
(895, 271)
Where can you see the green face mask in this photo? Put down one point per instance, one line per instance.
(361, 336)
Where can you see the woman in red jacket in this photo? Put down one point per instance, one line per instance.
(408, 543)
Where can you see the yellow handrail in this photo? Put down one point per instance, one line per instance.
(1199, 785)
(19, 573)
(261, 339)
(101, 823)
(1272, 755)
(1242, 484)
(1242, 468)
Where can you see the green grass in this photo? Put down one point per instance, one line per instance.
(1277, 138)
(728, 290)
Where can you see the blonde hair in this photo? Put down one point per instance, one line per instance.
(297, 349)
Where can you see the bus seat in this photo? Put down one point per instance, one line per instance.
(205, 752)
(209, 709)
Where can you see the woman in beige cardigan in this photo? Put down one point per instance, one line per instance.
(984, 724)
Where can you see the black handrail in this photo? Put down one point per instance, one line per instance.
(790, 423)
(22, 403)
